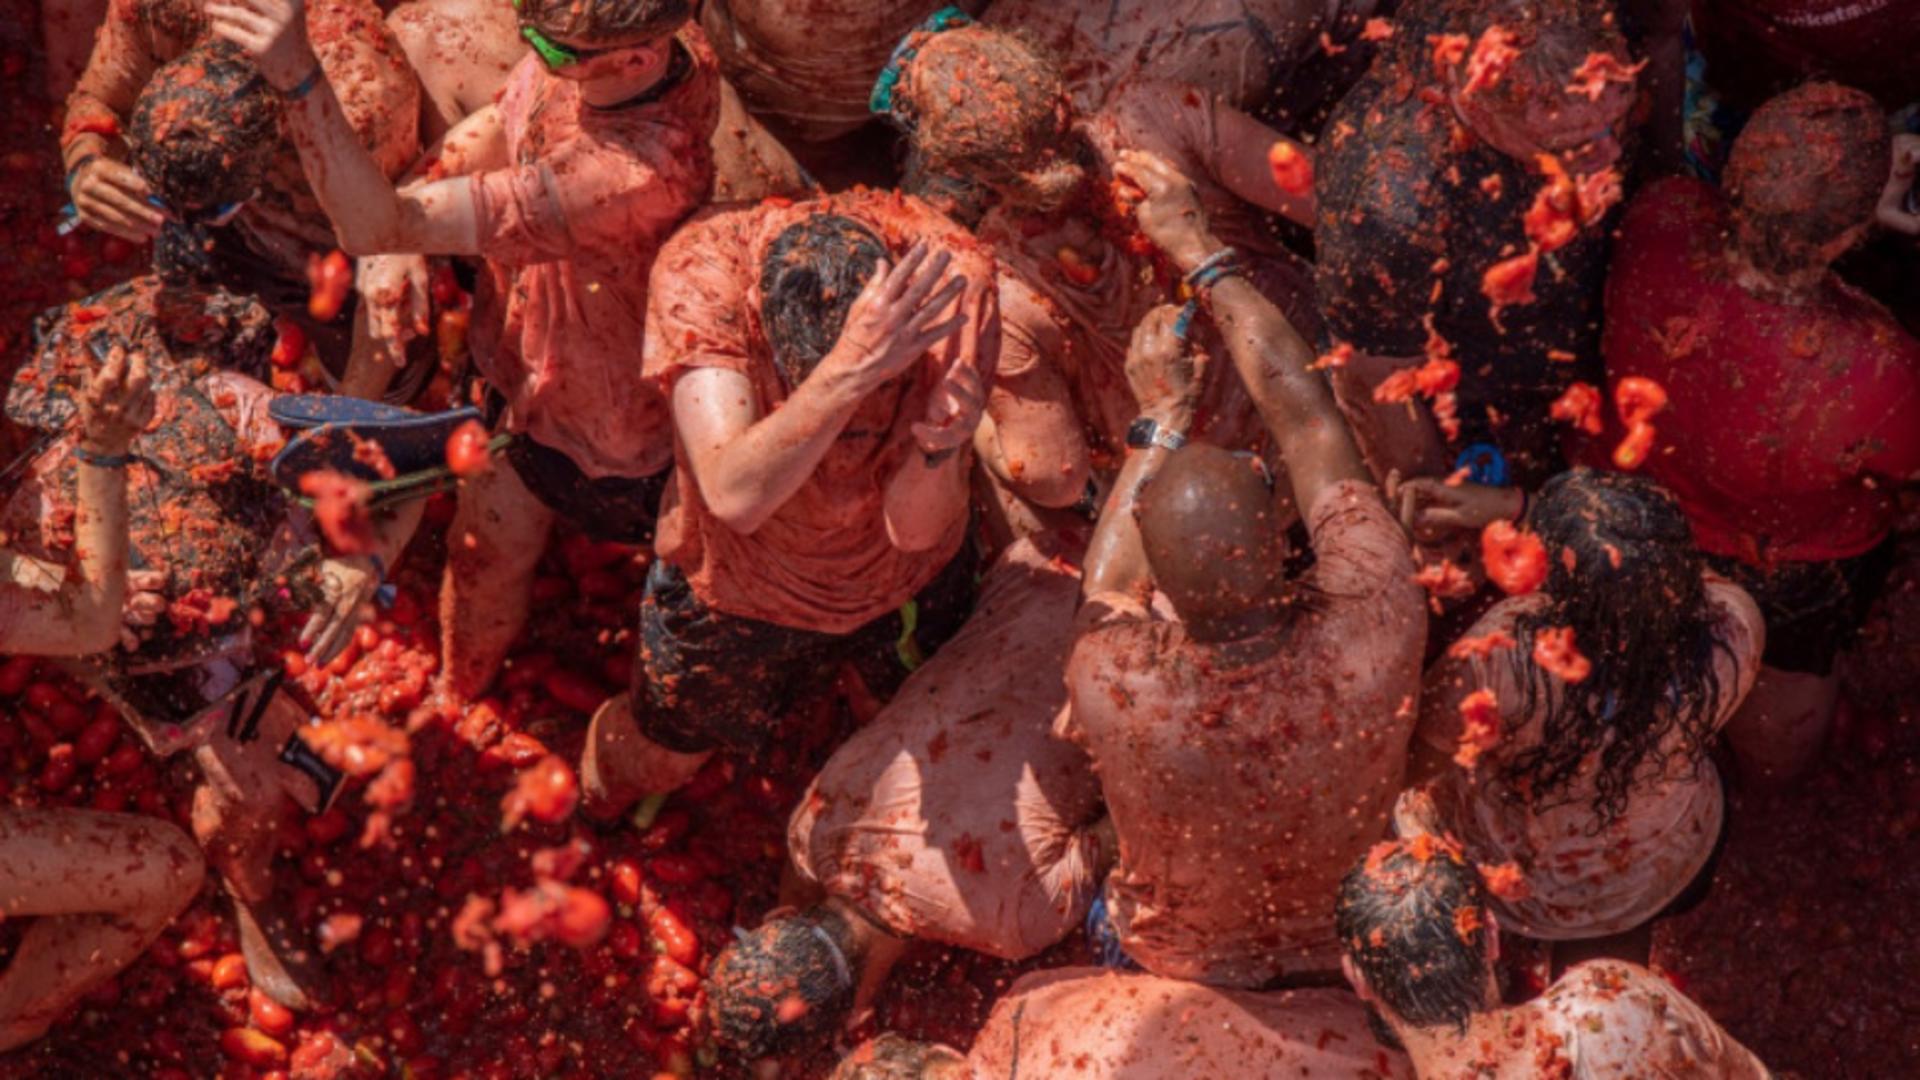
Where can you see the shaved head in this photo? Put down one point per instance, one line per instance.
(1212, 537)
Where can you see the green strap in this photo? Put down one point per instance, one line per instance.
(907, 649)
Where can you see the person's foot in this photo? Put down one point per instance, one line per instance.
(620, 766)
(281, 959)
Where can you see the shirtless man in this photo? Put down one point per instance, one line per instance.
(1792, 397)
(265, 249)
(567, 187)
(1474, 142)
(1421, 946)
(1281, 58)
(188, 676)
(954, 816)
(1252, 748)
(1104, 1025)
(99, 886)
(1082, 276)
(828, 363)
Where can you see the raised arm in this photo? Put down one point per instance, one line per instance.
(370, 216)
(108, 194)
(748, 465)
(82, 616)
(928, 492)
(1296, 403)
(1243, 161)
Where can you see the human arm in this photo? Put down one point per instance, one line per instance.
(1240, 159)
(348, 584)
(1899, 208)
(369, 214)
(1432, 509)
(108, 194)
(927, 493)
(747, 465)
(82, 616)
(1165, 382)
(1273, 361)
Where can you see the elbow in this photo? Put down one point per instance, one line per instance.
(741, 516)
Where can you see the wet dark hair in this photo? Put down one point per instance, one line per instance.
(1623, 572)
(809, 279)
(1809, 166)
(607, 20)
(202, 135)
(786, 966)
(1411, 917)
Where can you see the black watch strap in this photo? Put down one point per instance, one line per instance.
(1146, 431)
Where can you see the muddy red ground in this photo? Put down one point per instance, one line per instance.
(1807, 949)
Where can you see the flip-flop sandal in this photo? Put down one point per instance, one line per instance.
(332, 427)
(281, 958)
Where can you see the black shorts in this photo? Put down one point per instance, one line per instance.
(707, 680)
(618, 508)
(1813, 609)
(1698, 889)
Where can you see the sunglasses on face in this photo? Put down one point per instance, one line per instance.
(557, 56)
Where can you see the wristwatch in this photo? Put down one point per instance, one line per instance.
(1146, 431)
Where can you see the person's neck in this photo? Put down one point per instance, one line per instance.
(1444, 1050)
(615, 90)
(1793, 287)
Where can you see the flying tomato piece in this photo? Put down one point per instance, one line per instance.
(1292, 167)
(1515, 559)
(1579, 406)
(1554, 650)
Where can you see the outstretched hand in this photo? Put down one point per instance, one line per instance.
(116, 404)
(1171, 214)
(272, 32)
(1431, 509)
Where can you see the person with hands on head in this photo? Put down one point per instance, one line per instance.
(566, 187)
(828, 362)
(1260, 681)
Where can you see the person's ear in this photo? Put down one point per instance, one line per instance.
(1493, 938)
(1359, 982)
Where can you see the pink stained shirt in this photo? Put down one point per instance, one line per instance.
(1092, 1024)
(1243, 791)
(955, 815)
(570, 231)
(1580, 883)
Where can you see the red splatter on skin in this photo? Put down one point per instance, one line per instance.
(1510, 281)
(467, 453)
(1480, 727)
(1377, 30)
(1515, 560)
(1579, 406)
(1505, 881)
(1492, 55)
(1599, 69)
(329, 277)
(340, 509)
(1443, 581)
(1554, 650)
(1292, 169)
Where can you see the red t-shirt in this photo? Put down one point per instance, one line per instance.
(1788, 426)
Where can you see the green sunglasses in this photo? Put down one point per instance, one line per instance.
(556, 55)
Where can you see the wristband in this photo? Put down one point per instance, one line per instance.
(74, 169)
(1216, 266)
(305, 86)
(103, 461)
(1146, 431)
(384, 594)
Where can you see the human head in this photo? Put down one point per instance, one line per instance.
(203, 131)
(809, 278)
(1623, 573)
(1804, 175)
(895, 1057)
(1419, 941)
(1530, 110)
(1209, 527)
(785, 986)
(989, 106)
(581, 40)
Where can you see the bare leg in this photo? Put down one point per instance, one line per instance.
(104, 885)
(67, 28)
(620, 765)
(368, 373)
(1780, 729)
(498, 533)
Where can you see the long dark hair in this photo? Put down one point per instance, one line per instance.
(1624, 575)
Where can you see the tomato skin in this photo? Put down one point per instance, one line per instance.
(672, 937)
(1292, 168)
(1515, 560)
(467, 453)
(329, 277)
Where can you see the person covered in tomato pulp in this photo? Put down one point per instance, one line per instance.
(829, 363)
(1257, 681)
(214, 541)
(1788, 426)
(1420, 949)
(954, 816)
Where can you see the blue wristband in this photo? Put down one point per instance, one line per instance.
(103, 461)
(385, 594)
(305, 86)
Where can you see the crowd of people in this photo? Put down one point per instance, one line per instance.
(1309, 492)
